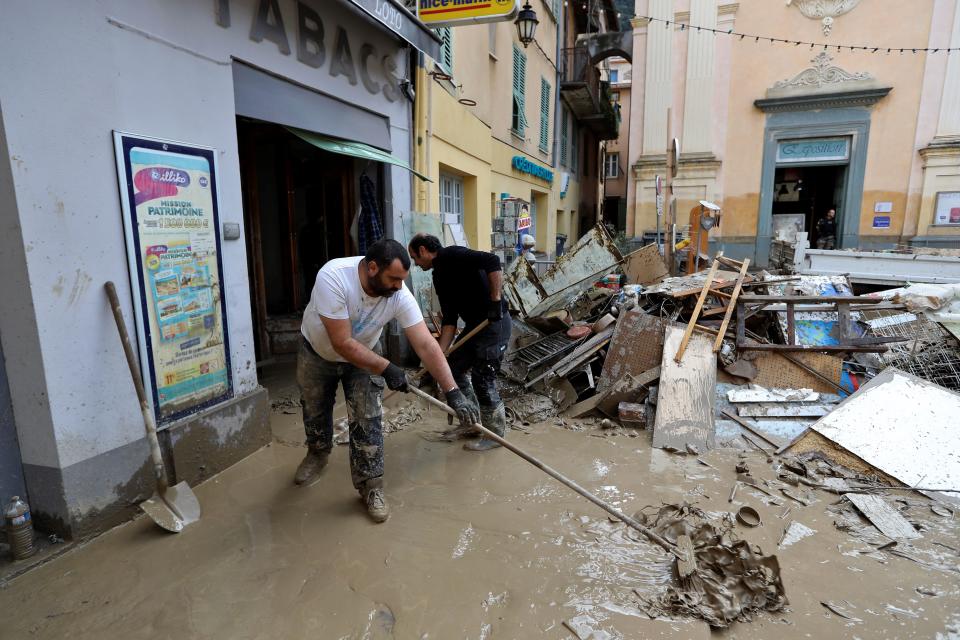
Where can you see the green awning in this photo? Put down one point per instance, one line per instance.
(355, 149)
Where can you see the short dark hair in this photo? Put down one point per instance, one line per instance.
(384, 252)
(432, 243)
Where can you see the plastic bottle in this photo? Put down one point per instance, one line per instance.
(19, 525)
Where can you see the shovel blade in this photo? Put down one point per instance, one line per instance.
(174, 510)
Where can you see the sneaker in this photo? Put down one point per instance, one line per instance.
(309, 470)
(377, 505)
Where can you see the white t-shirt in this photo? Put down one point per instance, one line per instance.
(337, 294)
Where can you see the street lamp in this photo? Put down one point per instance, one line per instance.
(526, 24)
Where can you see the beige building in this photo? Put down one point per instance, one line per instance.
(616, 154)
(779, 132)
(502, 125)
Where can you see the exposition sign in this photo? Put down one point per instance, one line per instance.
(448, 13)
(169, 196)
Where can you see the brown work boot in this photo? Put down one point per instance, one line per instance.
(309, 470)
(376, 501)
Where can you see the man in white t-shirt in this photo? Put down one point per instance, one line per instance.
(352, 300)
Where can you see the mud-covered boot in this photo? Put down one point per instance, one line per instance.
(309, 470)
(375, 500)
(494, 419)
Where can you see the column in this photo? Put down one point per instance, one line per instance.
(949, 124)
(657, 81)
(698, 101)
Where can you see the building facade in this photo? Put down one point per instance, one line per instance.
(777, 133)
(616, 154)
(289, 121)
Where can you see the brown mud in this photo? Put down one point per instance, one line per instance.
(478, 546)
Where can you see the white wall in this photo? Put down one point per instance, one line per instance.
(72, 72)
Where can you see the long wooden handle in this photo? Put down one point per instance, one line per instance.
(151, 426)
(556, 475)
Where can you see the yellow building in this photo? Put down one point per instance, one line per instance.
(490, 127)
(771, 130)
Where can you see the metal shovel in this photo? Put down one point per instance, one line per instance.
(174, 507)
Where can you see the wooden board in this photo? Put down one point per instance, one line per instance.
(686, 393)
(755, 393)
(645, 266)
(883, 516)
(636, 347)
(771, 410)
(773, 370)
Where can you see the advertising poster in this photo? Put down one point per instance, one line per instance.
(947, 208)
(169, 195)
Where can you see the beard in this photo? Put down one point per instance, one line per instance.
(380, 288)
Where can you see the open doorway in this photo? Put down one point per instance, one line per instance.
(299, 206)
(803, 195)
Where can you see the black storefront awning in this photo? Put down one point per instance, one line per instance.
(393, 16)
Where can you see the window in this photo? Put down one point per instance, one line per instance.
(451, 194)
(564, 138)
(614, 76)
(611, 165)
(446, 50)
(544, 115)
(518, 121)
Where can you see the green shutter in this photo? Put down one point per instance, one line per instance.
(544, 114)
(574, 150)
(564, 138)
(446, 49)
(519, 86)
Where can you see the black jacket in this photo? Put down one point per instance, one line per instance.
(827, 227)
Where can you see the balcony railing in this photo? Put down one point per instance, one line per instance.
(587, 95)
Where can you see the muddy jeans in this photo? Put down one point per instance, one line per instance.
(475, 366)
(318, 380)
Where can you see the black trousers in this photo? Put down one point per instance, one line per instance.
(475, 365)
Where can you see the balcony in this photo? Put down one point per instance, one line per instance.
(587, 96)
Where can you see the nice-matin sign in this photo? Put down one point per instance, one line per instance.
(450, 13)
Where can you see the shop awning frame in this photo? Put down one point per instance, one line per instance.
(354, 149)
(405, 25)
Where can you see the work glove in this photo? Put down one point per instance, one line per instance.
(494, 310)
(396, 378)
(467, 414)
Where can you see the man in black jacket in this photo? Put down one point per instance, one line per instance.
(468, 285)
(827, 230)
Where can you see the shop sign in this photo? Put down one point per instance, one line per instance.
(523, 165)
(947, 210)
(816, 150)
(449, 13)
(169, 197)
(317, 47)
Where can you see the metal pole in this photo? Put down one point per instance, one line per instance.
(668, 201)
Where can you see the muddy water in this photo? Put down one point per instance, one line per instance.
(479, 546)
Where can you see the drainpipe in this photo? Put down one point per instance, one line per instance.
(555, 156)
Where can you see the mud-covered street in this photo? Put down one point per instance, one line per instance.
(478, 546)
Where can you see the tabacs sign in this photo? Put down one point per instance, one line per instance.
(450, 13)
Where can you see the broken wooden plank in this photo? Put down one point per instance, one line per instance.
(686, 559)
(586, 406)
(632, 413)
(685, 410)
(731, 305)
(754, 393)
(630, 388)
(752, 429)
(645, 265)
(751, 410)
(884, 517)
(696, 310)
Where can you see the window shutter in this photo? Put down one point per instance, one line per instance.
(519, 86)
(544, 114)
(446, 49)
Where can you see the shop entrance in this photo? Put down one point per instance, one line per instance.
(298, 202)
(803, 195)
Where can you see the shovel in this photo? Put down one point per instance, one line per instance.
(174, 507)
